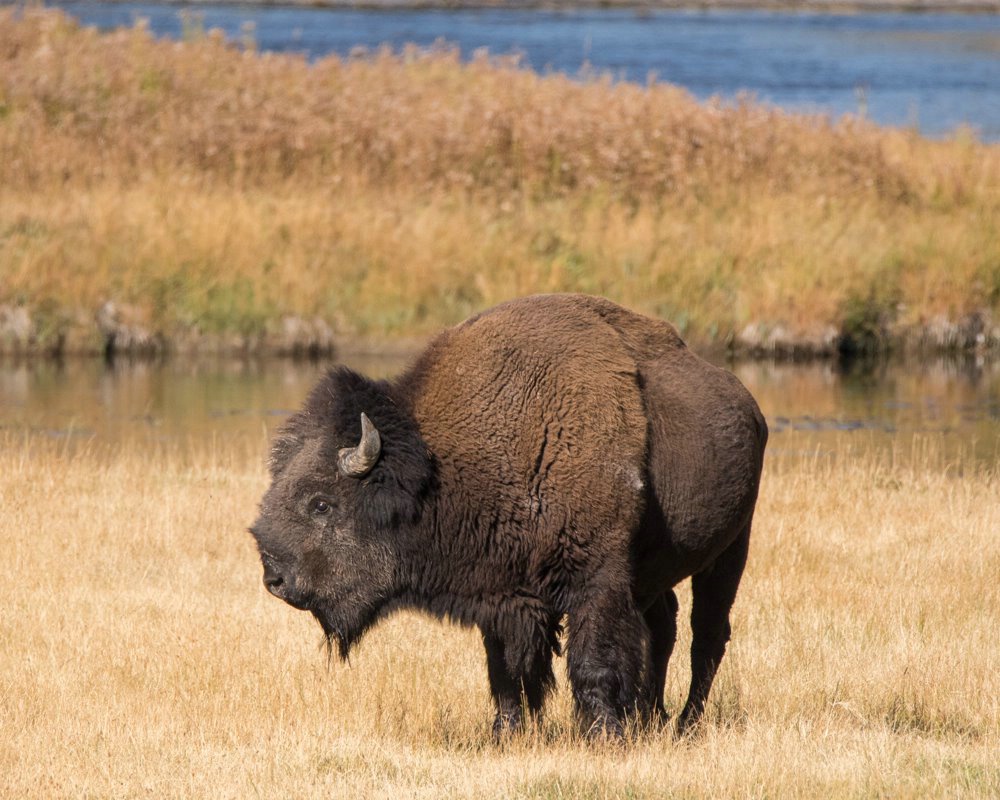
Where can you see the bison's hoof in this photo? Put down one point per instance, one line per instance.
(687, 724)
(659, 717)
(605, 729)
(506, 725)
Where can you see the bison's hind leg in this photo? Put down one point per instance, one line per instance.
(533, 683)
(661, 619)
(712, 594)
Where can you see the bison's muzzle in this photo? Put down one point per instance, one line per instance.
(280, 582)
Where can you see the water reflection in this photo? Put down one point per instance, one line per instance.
(816, 406)
(881, 404)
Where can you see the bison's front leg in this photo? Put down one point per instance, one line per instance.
(507, 688)
(608, 659)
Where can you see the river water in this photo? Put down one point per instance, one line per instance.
(815, 409)
(929, 71)
(934, 70)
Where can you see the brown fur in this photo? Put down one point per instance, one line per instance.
(554, 456)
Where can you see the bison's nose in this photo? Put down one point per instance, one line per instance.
(273, 579)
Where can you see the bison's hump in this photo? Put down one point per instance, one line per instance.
(538, 401)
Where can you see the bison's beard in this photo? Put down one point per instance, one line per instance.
(333, 634)
(344, 630)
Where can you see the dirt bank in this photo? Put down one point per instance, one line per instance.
(115, 330)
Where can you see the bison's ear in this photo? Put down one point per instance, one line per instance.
(379, 447)
(394, 487)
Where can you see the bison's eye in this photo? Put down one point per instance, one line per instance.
(319, 506)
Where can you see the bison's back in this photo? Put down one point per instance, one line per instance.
(559, 418)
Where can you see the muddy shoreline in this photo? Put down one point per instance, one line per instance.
(113, 332)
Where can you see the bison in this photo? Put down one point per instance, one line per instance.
(555, 458)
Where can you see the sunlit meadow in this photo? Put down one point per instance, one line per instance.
(205, 187)
(141, 656)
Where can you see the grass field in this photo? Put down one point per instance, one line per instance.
(210, 190)
(141, 657)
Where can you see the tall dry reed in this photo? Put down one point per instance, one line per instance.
(80, 107)
(212, 188)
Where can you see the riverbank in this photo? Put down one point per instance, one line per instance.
(115, 332)
(809, 6)
(197, 196)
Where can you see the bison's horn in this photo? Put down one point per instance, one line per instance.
(356, 462)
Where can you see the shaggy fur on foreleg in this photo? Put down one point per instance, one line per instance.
(512, 688)
(608, 655)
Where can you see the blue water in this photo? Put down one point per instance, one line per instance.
(932, 72)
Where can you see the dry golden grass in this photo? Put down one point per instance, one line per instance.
(140, 655)
(215, 189)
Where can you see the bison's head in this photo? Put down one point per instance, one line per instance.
(338, 517)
